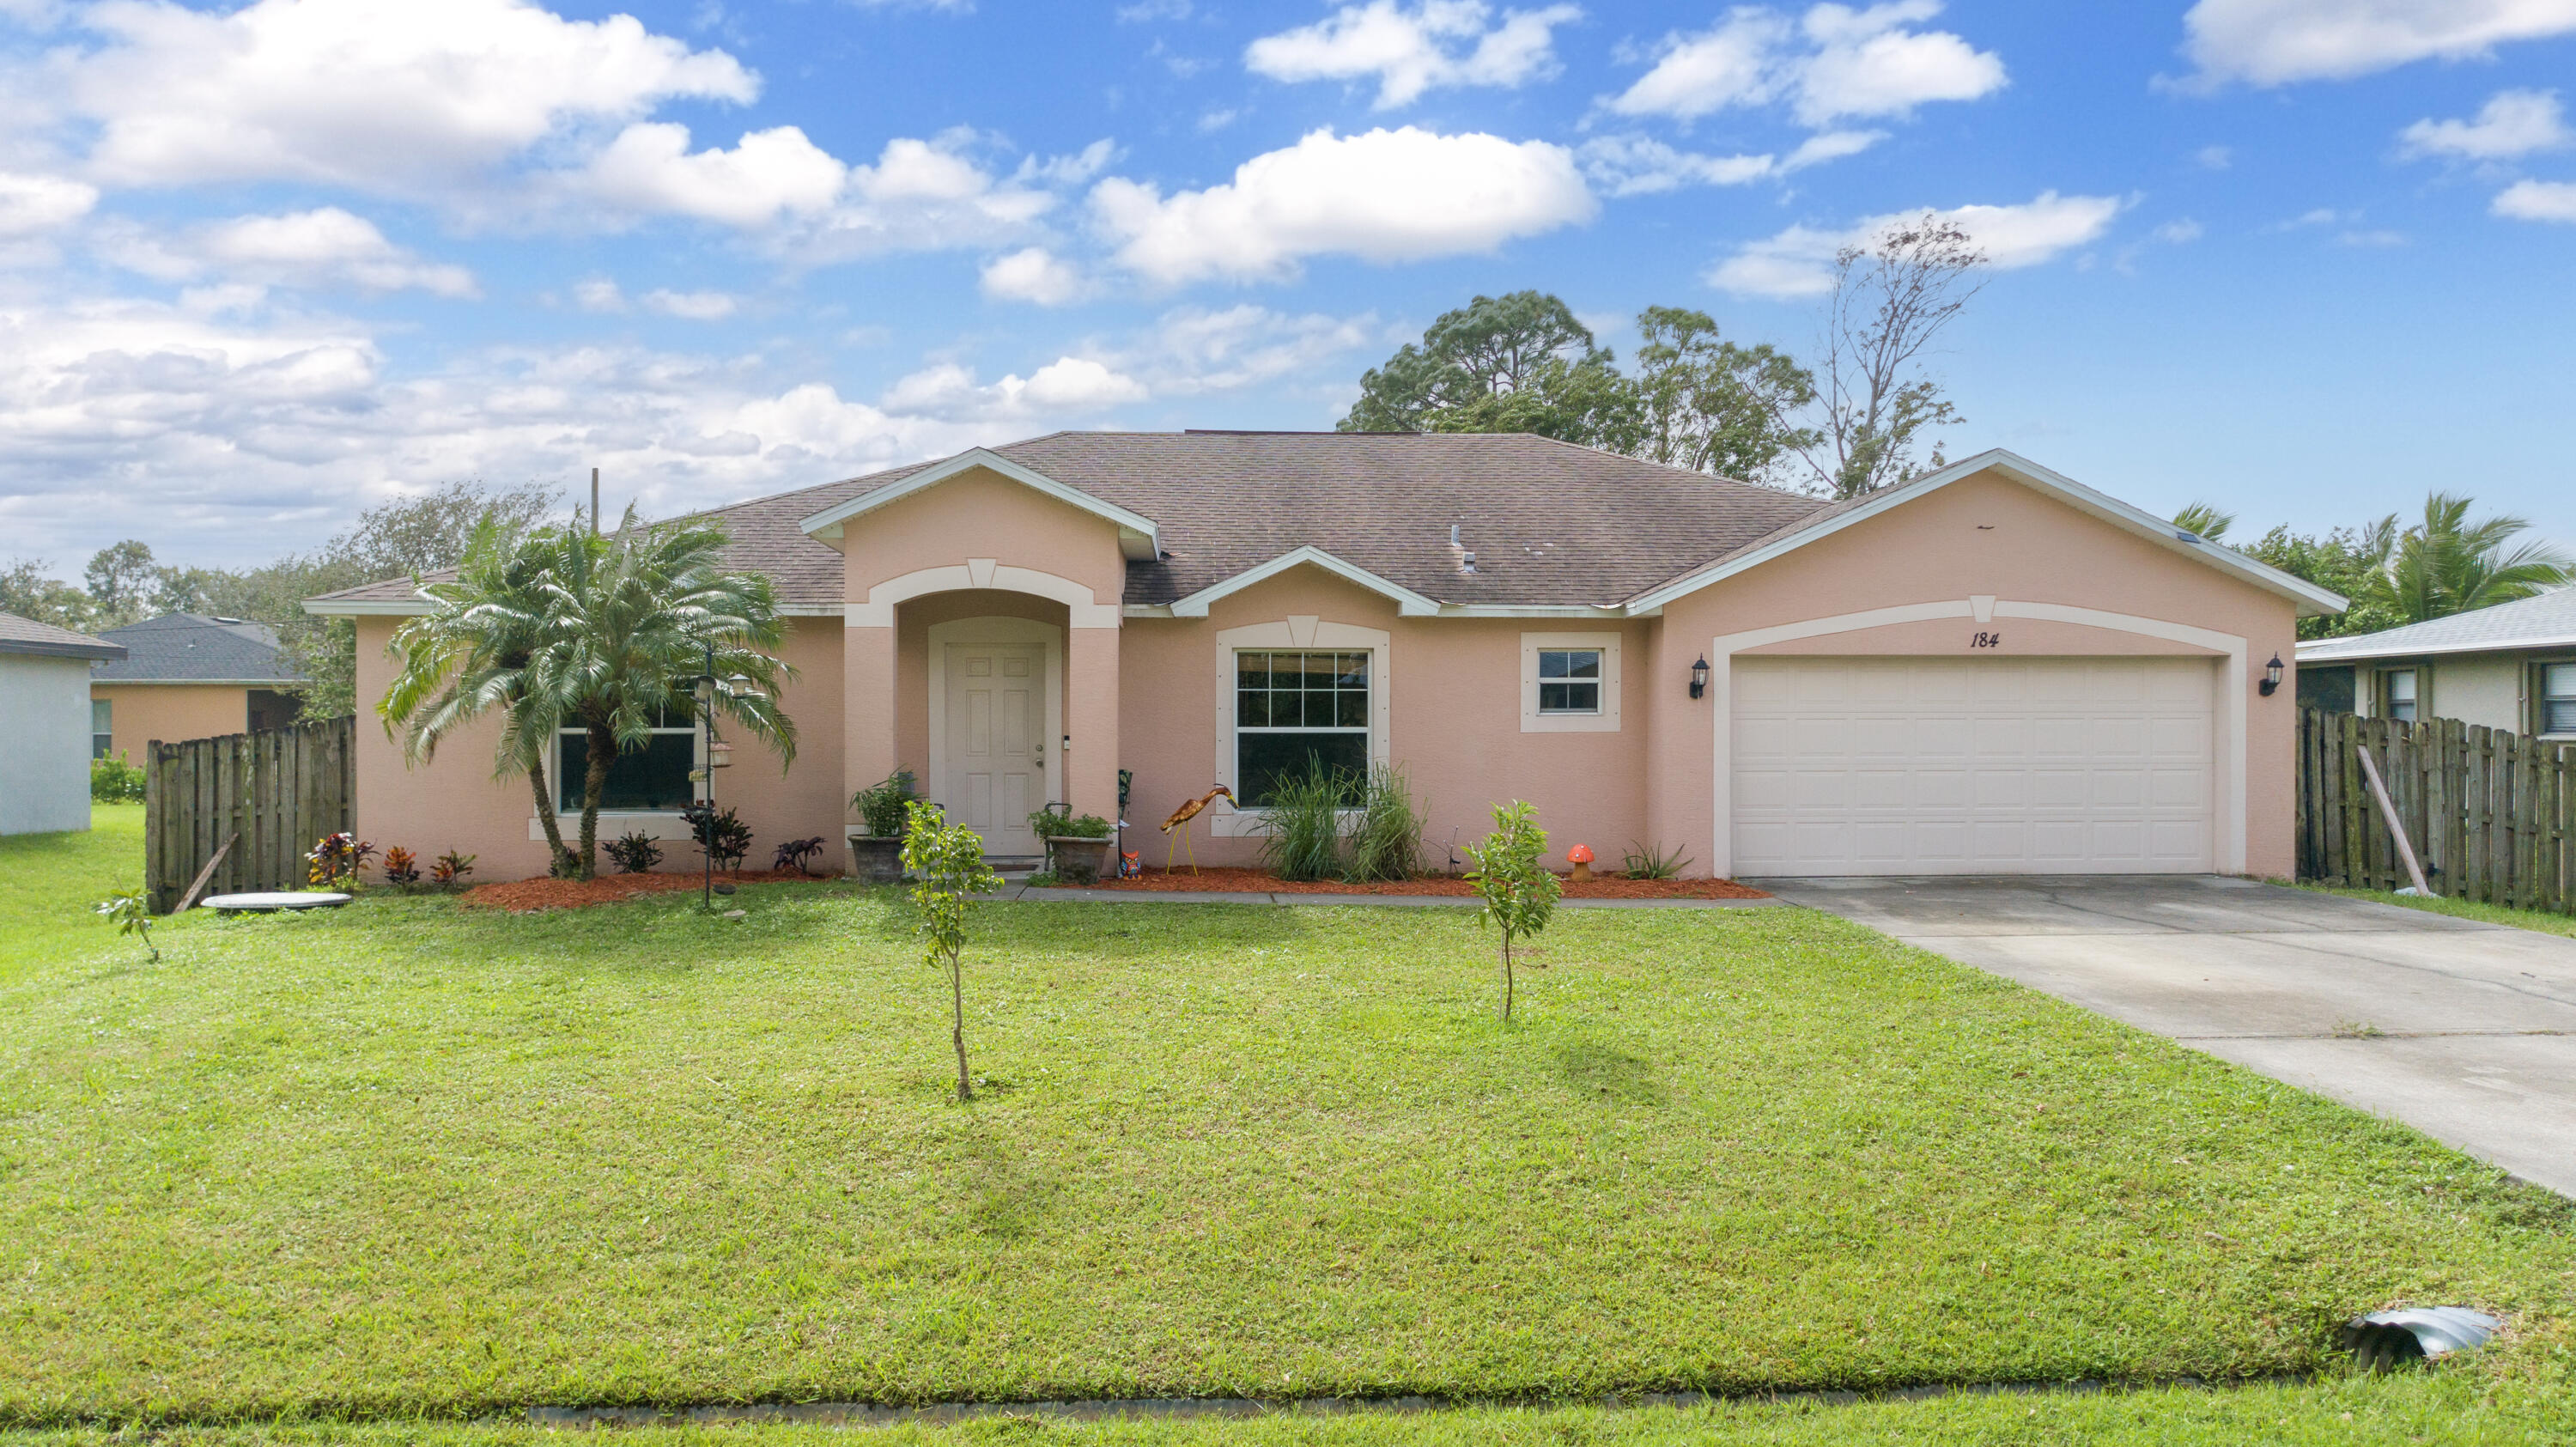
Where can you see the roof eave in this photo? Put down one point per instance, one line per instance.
(2315, 649)
(1139, 538)
(2311, 599)
(1408, 603)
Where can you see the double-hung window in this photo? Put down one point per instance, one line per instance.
(652, 779)
(2398, 691)
(1294, 709)
(102, 727)
(2558, 699)
(1569, 680)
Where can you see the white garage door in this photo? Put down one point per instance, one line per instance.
(1973, 766)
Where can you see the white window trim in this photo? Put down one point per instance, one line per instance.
(2540, 688)
(655, 823)
(1605, 721)
(2384, 695)
(1298, 631)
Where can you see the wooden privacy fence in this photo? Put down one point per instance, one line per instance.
(273, 793)
(2490, 813)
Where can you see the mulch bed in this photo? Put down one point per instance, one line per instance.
(521, 896)
(1261, 881)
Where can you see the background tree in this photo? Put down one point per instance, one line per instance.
(2205, 520)
(121, 579)
(947, 861)
(2448, 564)
(27, 592)
(1514, 363)
(1874, 403)
(474, 653)
(627, 622)
(1711, 406)
(1519, 896)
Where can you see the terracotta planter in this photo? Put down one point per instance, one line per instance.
(875, 858)
(1079, 861)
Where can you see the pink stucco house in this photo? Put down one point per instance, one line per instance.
(1992, 669)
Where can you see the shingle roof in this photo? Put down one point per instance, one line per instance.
(2547, 620)
(44, 640)
(189, 648)
(1548, 522)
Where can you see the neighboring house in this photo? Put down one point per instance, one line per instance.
(189, 677)
(44, 716)
(1991, 668)
(2512, 666)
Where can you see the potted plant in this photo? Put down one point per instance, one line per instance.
(876, 841)
(1077, 844)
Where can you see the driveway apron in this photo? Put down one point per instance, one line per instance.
(2464, 1030)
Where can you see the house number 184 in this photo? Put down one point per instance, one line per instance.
(1986, 640)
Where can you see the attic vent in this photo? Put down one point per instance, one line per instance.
(1469, 563)
(220, 618)
(1453, 535)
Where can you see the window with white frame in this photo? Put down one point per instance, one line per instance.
(2558, 699)
(1569, 682)
(652, 779)
(2397, 692)
(1295, 709)
(102, 727)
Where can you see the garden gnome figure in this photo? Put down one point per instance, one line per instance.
(1580, 856)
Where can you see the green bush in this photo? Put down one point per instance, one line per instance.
(880, 806)
(114, 781)
(1386, 842)
(1059, 822)
(1303, 838)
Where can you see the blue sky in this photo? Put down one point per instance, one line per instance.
(263, 265)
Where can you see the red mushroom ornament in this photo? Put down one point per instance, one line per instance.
(1580, 856)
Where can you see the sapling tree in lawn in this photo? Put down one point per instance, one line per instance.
(1519, 895)
(948, 860)
(132, 917)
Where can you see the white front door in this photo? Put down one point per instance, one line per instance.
(1986, 766)
(996, 742)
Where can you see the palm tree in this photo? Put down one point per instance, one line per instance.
(473, 653)
(2448, 564)
(2205, 521)
(630, 621)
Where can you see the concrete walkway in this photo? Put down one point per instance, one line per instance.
(2465, 1031)
(1015, 889)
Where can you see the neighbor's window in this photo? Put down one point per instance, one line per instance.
(1294, 707)
(1569, 680)
(655, 777)
(2401, 694)
(102, 727)
(2558, 698)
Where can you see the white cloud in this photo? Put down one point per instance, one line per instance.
(1032, 274)
(1835, 61)
(598, 294)
(649, 169)
(323, 247)
(950, 392)
(2538, 201)
(695, 306)
(1400, 195)
(32, 203)
(2273, 42)
(1798, 262)
(1436, 43)
(378, 95)
(1635, 165)
(924, 195)
(2512, 123)
(2214, 158)
(2179, 233)
(1190, 350)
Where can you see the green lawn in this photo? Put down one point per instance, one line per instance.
(409, 1160)
(2530, 919)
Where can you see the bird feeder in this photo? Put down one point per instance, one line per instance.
(1580, 856)
(719, 754)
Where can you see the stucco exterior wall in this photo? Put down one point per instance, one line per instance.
(170, 712)
(455, 803)
(2487, 689)
(44, 769)
(1983, 536)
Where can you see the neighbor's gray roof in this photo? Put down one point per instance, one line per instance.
(189, 648)
(2545, 621)
(44, 640)
(1549, 522)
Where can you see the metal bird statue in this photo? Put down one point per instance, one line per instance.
(1180, 821)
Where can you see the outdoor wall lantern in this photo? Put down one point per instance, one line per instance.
(1699, 678)
(2271, 683)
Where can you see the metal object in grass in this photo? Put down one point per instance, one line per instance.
(273, 903)
(2388, 1339)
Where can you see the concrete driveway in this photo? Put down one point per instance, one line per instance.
(2465, 1031)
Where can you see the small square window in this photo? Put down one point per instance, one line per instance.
(2558, 699)
(1569, 680)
